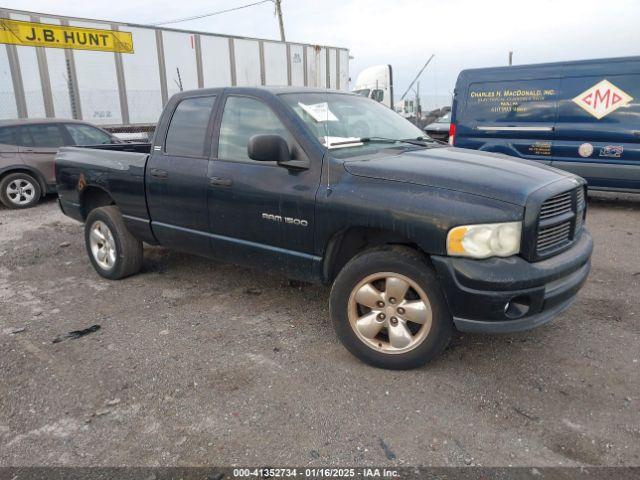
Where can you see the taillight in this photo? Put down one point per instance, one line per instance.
(452, 133)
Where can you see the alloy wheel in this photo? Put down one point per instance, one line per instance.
(103, 245)
(20, 191)
(389, 312)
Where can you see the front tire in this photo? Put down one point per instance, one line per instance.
(113, 251)
(388, 309)
(19, 190)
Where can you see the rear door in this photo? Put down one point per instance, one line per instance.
(38, 145)
(598, 128)
(260, 212)
(176, 177)
(516, 117)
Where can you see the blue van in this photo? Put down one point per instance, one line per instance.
(581, 116)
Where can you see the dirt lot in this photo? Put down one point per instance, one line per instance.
(200, 363)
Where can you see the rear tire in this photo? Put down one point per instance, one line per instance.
(19, 190)
(113, 251)
(388, 309)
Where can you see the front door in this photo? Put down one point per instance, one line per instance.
(260, 212)
(176, 178)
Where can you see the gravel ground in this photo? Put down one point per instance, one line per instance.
(201, 363)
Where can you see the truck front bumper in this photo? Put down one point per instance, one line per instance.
(501, 295)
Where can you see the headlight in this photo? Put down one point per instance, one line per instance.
(486, 240)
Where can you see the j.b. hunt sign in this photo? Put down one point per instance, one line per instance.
(17, 32)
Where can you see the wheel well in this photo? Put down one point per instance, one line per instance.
(26, 171)
(92, 198)
(346, 244)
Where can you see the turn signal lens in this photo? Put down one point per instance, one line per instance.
(485, 240)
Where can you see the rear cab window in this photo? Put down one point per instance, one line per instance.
(187, 132)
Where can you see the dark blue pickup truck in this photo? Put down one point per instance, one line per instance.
(414, 237)
(582, 116)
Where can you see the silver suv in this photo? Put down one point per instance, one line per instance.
(27, 149)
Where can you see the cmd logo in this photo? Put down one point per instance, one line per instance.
(602, 99)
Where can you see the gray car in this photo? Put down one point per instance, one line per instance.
(439, 130)
(27, 149)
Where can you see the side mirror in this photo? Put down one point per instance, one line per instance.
(268, 148)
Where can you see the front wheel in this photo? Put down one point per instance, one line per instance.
(113, 251)
(388, 309)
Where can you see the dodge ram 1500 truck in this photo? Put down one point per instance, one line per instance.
(416, 238)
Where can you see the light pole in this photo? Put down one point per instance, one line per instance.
(279, 13)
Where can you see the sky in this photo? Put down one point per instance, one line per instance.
(404, 33)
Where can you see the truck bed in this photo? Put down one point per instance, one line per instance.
(115, 170)
(113, 156)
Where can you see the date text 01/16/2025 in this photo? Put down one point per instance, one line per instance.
(315, 472)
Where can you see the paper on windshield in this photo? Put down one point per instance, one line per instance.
(331, 141)
(319, 112)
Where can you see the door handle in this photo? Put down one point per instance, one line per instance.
(221, 182)
(159, 173)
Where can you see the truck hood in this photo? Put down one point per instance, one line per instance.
(491, 175)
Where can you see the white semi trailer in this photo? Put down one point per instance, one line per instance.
(120, 74)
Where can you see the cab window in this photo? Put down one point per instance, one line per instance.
(188, 128)
(87, 135)
(244, 117)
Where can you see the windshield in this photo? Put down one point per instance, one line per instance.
(445, 119)
(340, 120)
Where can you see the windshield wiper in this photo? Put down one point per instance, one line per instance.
(420, 141)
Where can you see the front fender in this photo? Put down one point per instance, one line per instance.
(423, 215)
